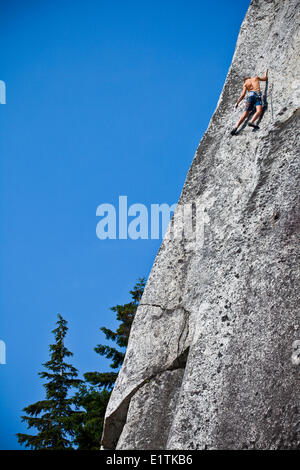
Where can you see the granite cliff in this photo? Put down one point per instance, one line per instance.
(212, 360)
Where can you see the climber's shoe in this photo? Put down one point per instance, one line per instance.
(233, 132)
(253, 125)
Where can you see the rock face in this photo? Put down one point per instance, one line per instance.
(212, 360)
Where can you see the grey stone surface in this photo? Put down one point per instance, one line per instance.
(229, 294)
(152, 408)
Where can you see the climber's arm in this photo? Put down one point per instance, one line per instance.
(241, 97)
(264, 78)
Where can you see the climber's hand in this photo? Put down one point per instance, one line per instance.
(236, 104)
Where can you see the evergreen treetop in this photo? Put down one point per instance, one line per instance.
(92, 396)
(52, 417)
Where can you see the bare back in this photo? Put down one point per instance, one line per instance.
(252, 84)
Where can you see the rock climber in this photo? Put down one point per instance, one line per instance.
(253, 99)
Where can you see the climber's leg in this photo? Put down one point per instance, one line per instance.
(257, 114)
(242, 119)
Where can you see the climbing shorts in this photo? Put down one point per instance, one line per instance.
(253, 100)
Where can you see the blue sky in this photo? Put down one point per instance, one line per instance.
(104, 98)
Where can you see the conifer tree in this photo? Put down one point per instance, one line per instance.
(92, 396)
(53, 417)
